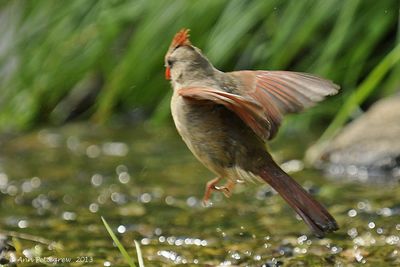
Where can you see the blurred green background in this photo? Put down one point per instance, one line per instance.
(102, 61)
(90, 59)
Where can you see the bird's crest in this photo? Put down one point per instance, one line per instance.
(181, 38)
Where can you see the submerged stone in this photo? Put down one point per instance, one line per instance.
(368, 149)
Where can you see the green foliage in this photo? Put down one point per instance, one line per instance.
(353, 101)
(122, 249)
(93, 58)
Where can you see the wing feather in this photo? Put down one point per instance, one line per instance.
(245, 108)
(283, 92)
(265, 96)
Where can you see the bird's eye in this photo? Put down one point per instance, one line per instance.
(170, 63)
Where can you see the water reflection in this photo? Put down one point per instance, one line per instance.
(55, 184)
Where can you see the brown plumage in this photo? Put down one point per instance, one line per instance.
(226, 118)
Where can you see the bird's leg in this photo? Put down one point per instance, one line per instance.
(227, 188)
(212, 186)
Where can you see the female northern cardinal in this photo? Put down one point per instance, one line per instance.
(226, 118)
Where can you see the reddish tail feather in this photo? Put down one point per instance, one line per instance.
(311, 211)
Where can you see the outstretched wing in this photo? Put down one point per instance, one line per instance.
(265, 96)
(283, 92)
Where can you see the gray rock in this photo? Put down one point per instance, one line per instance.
(368, 149)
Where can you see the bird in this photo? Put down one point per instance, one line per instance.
(226, 118)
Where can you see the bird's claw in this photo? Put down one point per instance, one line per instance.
(211, 186)
(224, 189)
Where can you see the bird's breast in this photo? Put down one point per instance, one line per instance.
(215, 135)
(203, 131)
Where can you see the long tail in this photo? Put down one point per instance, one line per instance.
(311, 211)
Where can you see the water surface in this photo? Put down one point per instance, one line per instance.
(55, 184)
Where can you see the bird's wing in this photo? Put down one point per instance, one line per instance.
(282, 92)
(245, 108)
(265, 96)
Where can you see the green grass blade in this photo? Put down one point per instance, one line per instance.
(139, 254)
(121, 248)
(337, 37)
(50, 47)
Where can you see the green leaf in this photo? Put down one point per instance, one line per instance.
(121, 248)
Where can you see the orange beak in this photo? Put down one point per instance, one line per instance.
(167, 73)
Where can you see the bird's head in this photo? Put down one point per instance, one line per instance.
(185, 61)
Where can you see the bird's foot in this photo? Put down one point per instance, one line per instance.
(227, 188)
(212, 186)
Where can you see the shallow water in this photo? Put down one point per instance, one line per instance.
(55, 184)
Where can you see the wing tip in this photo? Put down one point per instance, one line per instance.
(334, 88)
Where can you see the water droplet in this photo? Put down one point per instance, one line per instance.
(118, 197)
(358, 256)
(292, 166)
(93, 151)
(191, 201)
(171, 240)
(371, 225)
(361, 205)
(121, 229)
(352, 232)
(157, 231)
(335, 249)
(121, 168)
(117, 149)
(41, 202)
(179, 242)
(124, 177)
(12, 190)
(26, 187)
(97, 179)
(352, 213)
(352, 170)
(386, 212)
(3, 180)
(36, 182)
(73, 143)
(301, 239)
(226, 263)
(235, 256)
(145, 198)
(94, 207)
(67, 199)
(23, 224)
(69, 216)
(102, 198)
(172, 255)
(392, 240)
(145, 241)
(169, 200)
